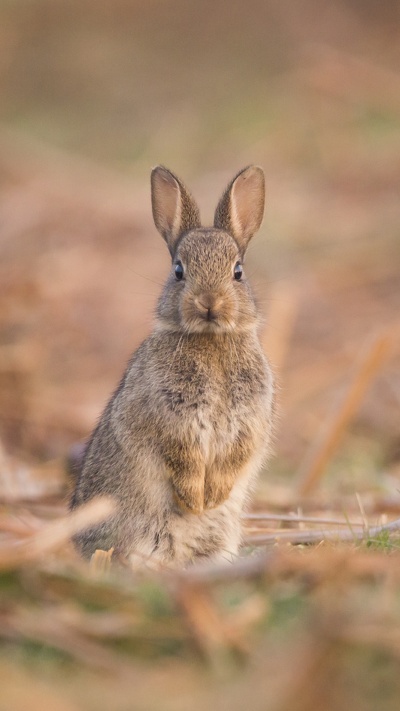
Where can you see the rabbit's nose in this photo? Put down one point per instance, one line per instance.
(208, 306)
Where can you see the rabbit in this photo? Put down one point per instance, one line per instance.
(181, 441)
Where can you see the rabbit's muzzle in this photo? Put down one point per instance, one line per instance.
(207, 312)
(208, 306)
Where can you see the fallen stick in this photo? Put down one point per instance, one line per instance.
(295, 518)
(55, 534)
(317, 536)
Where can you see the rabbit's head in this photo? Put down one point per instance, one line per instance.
(207, 290)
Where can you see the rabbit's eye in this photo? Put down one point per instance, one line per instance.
(178, 271)
(238, 271)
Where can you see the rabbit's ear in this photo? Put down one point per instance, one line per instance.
(241, 208)
(174, 209)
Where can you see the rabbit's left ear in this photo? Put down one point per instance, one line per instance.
(174, 209)
(241, 208)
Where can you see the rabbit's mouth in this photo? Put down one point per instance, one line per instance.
(209, 323)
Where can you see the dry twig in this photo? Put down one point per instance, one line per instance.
(330, 436)
(54, 534)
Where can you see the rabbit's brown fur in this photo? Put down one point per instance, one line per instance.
(184, 435)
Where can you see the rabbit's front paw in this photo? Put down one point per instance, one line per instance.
(188, 499)
(216, 492)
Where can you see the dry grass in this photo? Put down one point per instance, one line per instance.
(308, 616)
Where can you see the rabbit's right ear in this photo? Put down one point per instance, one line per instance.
(174, 209)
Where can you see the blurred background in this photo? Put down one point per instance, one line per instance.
(93, 95)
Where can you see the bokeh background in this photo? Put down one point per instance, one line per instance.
(93, 95)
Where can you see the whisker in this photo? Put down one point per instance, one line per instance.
(142, 276)
(179, 348)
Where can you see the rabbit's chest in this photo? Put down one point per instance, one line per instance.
(216, 417)
(210, 428)
(213, 400)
